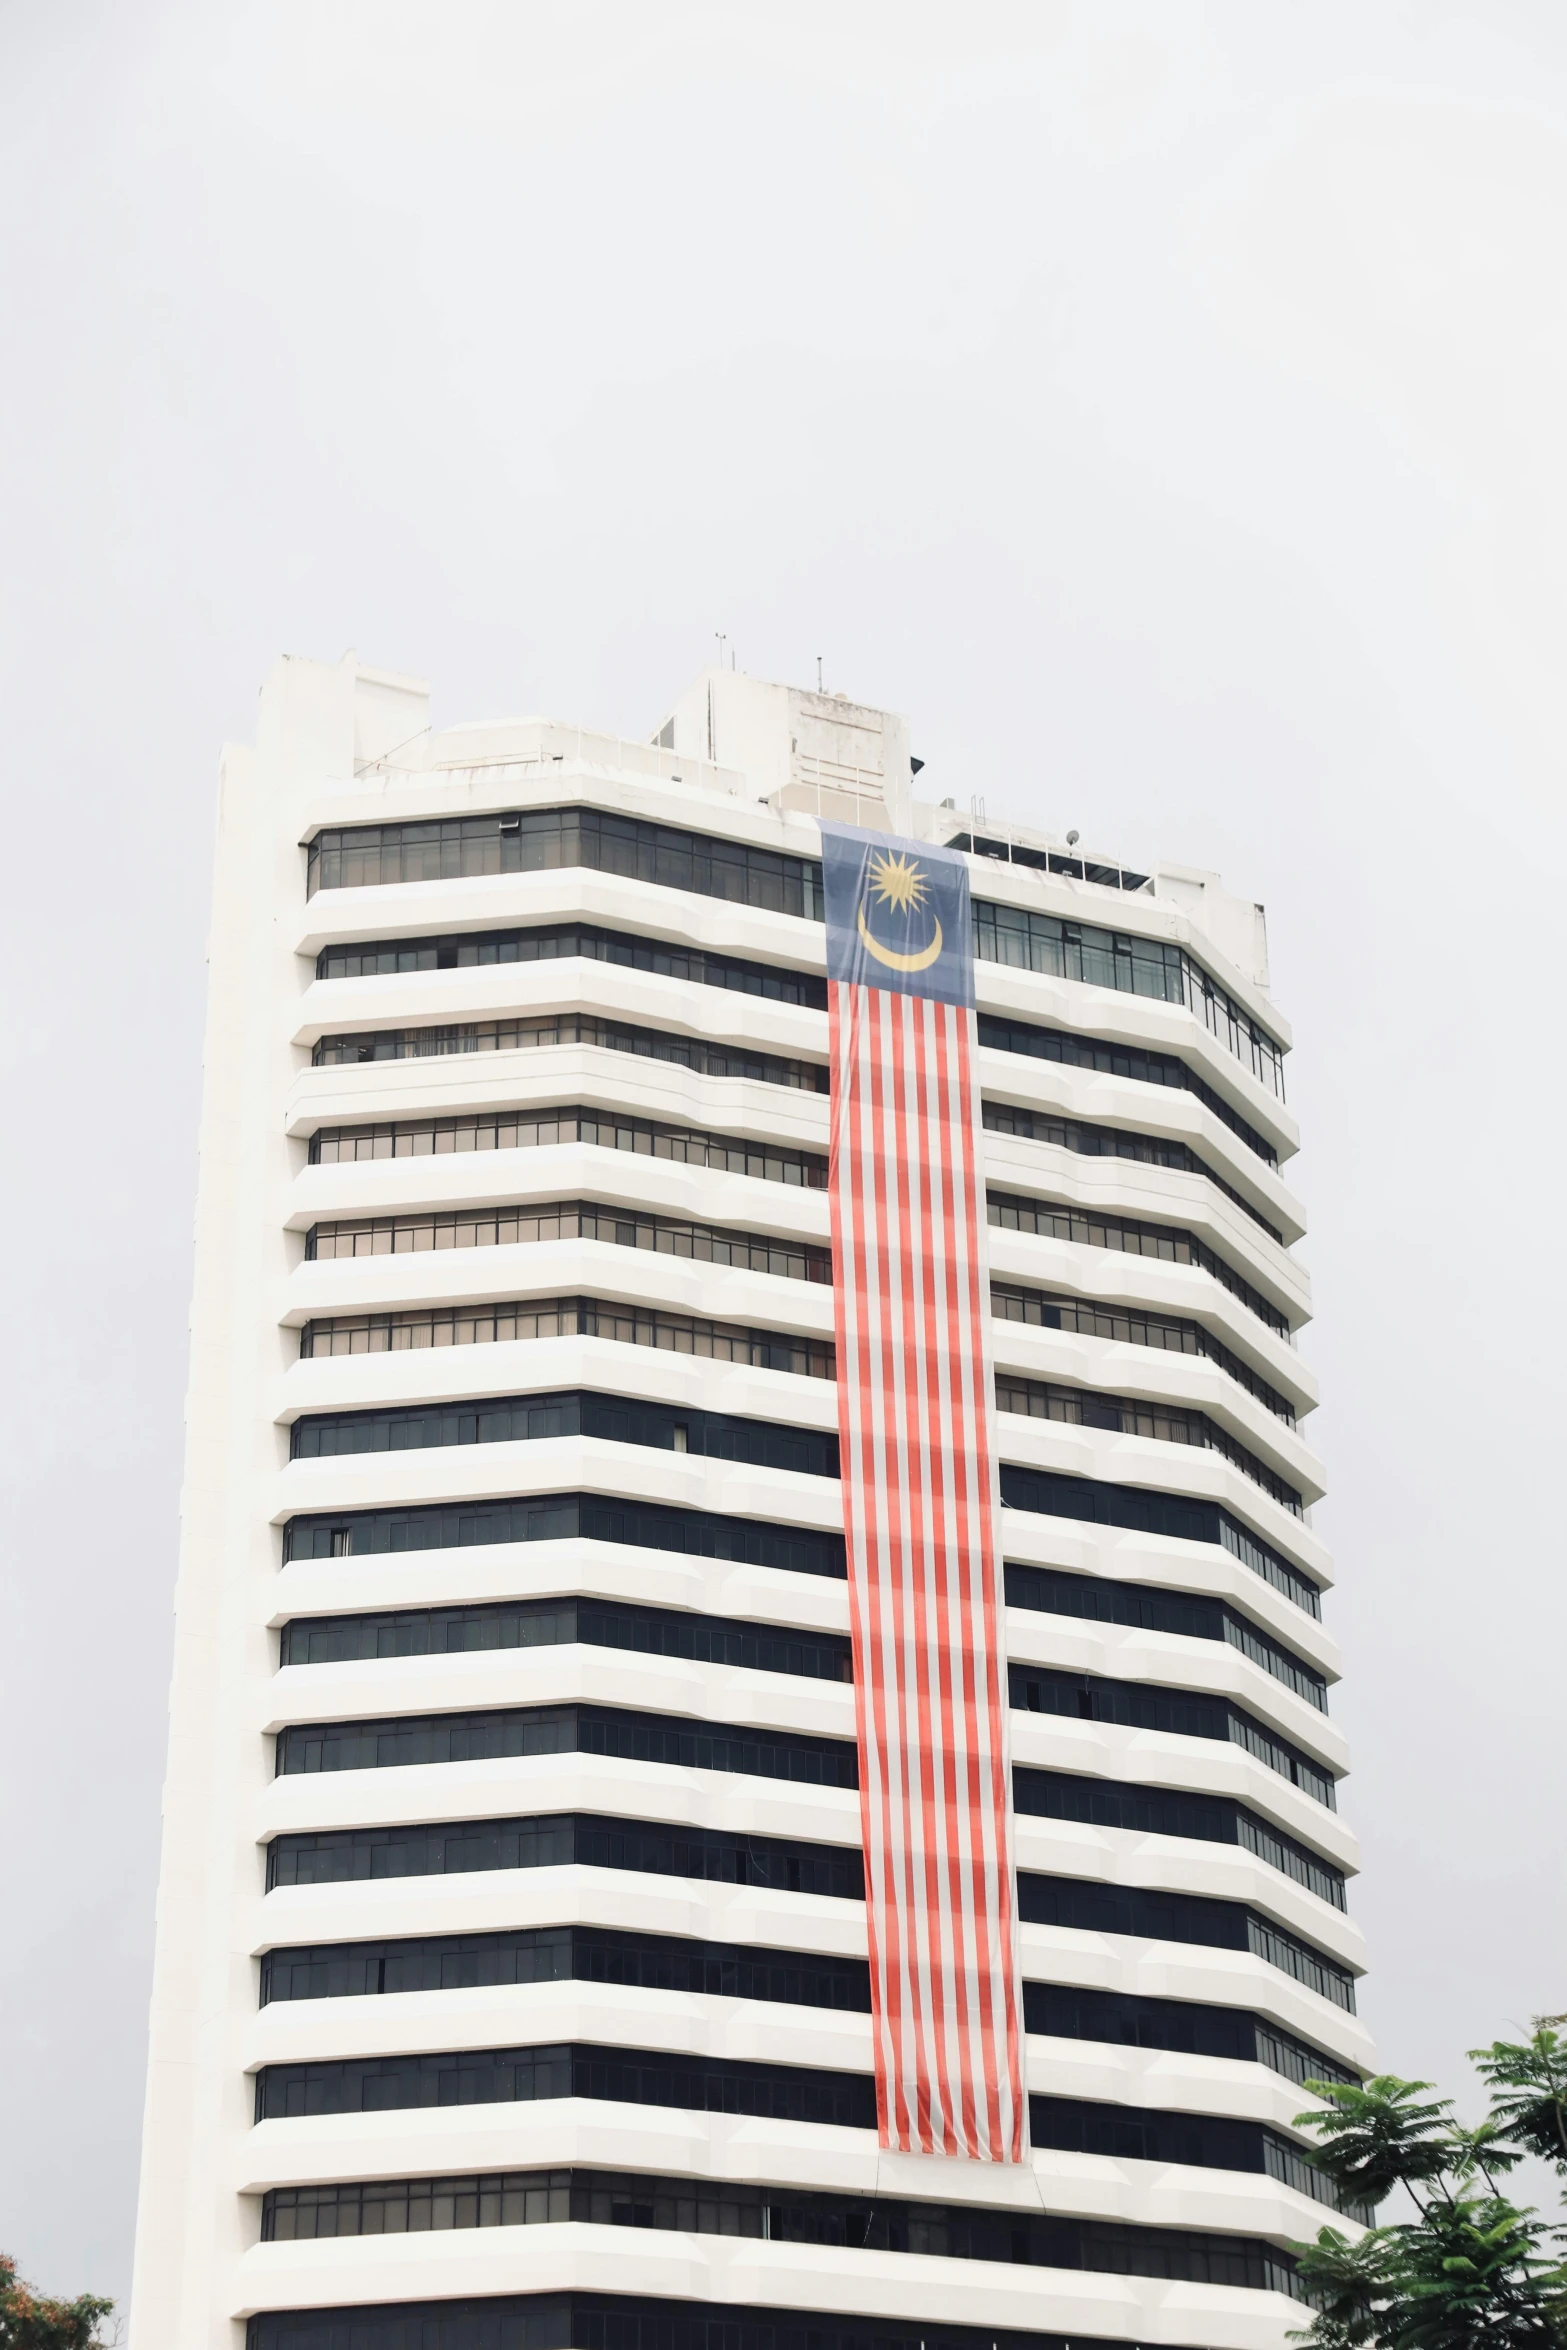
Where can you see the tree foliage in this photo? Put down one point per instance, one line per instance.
(29, 2322)
(1472, 2270)
(1529, 2088)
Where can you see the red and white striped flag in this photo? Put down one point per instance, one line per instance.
(912, 1306)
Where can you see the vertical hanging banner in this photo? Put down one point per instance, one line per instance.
(911, 1300)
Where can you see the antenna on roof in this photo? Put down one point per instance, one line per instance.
(818, 673)
(1072, 839)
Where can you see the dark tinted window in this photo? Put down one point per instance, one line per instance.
(547, 1623)
(535, 840)
(1113, 1142)
(719, 1856)
(1159, 1916)
(1153, 1608)
(470, 949)
(410, 1739)
(521, 1227)
(1172, 1811)
(1179, 1713)
(1124, 1415)
(1138, 1062)
(623, 2076)
(1043, 1309)
(526, 1418)
(506, 1130)
(1011, 1212)
(1180, 1515)
(564, 1517)
(554, 1954)
(511, 1319)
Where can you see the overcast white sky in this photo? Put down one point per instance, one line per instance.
(1162, 404)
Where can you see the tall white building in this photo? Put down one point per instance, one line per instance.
(511, 1981)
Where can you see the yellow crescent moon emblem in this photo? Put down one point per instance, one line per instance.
(920, 962)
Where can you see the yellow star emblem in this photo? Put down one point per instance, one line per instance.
(898, 883)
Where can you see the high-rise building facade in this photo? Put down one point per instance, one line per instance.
(512, 1985)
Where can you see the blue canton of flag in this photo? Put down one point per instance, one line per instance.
(897, 915)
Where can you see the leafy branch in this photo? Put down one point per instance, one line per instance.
(1472, 2270)
(30, 2322)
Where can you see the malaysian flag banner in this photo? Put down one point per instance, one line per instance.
(912, 1306)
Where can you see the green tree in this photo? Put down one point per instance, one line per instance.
(28, 2322)
(1472, 2270)
(1529, 2089)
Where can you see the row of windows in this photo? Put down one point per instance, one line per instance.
(540, 839)
(611, 1036)
(1132, 1326)
(774, 2092)
(554, 1623)
(1125, 2019)
(716, 1436)
(707, 1534)
(606, 2321)
(722, 1856)
(1178, 1713)
(1113, 1142)
(397, 2207)
(1045, 1492)
(649, 1737)
(1170, 1811)
(1140, 2133)
(822, 1656)
(1141, 1511)
(1016, 852)
(566, 1317)
(705, 1244)
(507, 2076)
(1088, 1228)
(565, 1517)
(561, 941)
(649, 1631)
(1002, 934)
(567, 1954)
(753, 1252)
(720, 1436)
(529, 1033)
(1154, 1915)
(715, 1856)
(487, 1736)
(1136, 966)
(1139, 1062)
(767, 1648)
(692, 1147)
(728, 1970)
(504, 1130)
(780, 2215)
(1150, 1607)
(668, 1632)
(675, 1429)
(1123, 1415)
(502, 1733)
(525, 1033)
(626, 1736)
